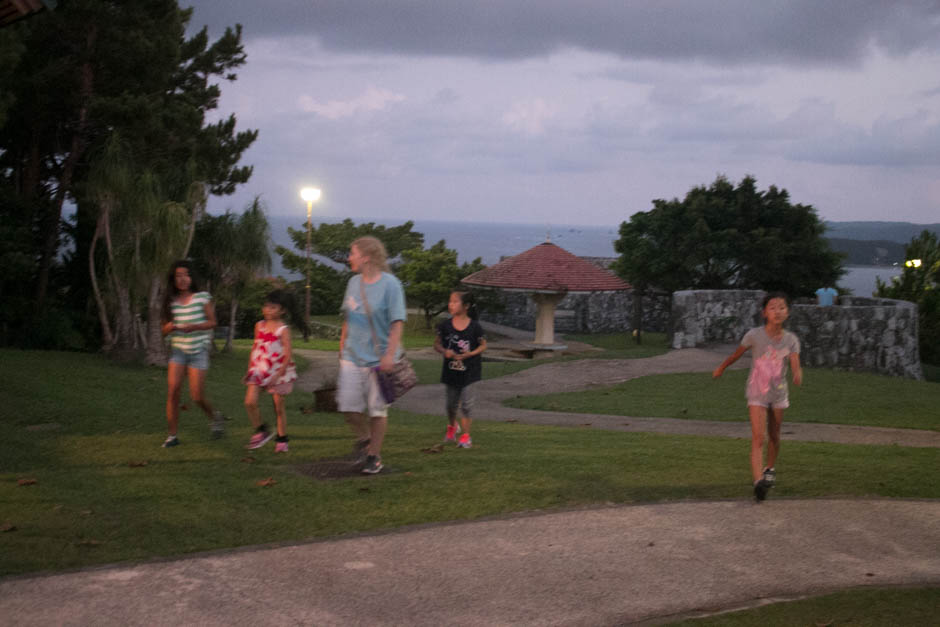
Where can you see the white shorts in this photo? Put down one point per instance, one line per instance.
(358, 391)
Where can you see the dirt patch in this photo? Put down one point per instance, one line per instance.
(331, 468)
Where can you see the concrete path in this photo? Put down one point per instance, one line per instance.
(604, 566)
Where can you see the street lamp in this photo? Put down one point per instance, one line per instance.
(309, 194)
(913, 263)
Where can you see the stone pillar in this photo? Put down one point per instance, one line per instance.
(545, 320)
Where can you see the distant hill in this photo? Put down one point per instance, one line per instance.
(868, 252)
(900, 232)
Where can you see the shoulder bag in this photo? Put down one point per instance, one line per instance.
(402, 377)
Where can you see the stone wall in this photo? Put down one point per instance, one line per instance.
(713, 316)
(589, 312)
(859, 334)
(325, 331)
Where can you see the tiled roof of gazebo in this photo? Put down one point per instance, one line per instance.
(547, 268)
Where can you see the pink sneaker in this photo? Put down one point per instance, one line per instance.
(465, 441)
(259, 439)
(280, 447)
(451, 435)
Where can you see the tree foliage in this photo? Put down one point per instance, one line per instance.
(728, 237)
(332, 241)
(98, 76)
(231, 251)
(920, 283)
(430, 275)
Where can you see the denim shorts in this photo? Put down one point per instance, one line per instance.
(199, 361)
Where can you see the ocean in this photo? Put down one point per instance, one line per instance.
(491, 241)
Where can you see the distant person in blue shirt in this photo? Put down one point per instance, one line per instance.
(826, 296)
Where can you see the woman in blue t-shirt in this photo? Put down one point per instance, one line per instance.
(374, 315)
(460, 339)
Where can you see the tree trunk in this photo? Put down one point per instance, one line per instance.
(51, 227)
(232, 312)
(106, 335)
(198, 204)
(156, 348)
(638, 315)
(124, 321)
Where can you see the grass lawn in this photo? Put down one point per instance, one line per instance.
(83, 427)
(415, 335)
(622, 345)
(853, 608)
(826, 396)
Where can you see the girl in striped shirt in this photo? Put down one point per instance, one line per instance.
(188, 318)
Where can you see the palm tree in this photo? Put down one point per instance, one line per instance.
(231, 251)
(142, 234)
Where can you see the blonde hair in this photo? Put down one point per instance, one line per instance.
(374, 249)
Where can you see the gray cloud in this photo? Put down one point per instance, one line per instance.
(912, 141)
(717, 31)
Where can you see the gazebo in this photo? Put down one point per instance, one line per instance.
(547, 273)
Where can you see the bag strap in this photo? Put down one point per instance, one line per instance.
(365, 303)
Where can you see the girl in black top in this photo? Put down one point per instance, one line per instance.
(460, 339)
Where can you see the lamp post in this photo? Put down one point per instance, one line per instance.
(309, 194)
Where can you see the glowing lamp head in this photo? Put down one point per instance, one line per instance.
(912, 263)
(310, 194)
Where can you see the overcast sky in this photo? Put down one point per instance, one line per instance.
(583, 111)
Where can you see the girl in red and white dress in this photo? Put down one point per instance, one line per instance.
(272, 369)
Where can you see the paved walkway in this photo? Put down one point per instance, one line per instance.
(597, 566)
(602, 566)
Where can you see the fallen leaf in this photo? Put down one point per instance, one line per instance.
(56, 508)
(437, 448)
(651, 544)
(264, 483)
(869, 574)
(7, 527)
(86, 512)
(409, 474)
(88, 542)
(364, 490)
(828, 623)
(137, 464)
(248, 460)
(27, 481)
(184, 407)
(306, 409)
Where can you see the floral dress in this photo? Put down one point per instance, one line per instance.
(267, 357)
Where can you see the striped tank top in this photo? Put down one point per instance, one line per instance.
(192, 312)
